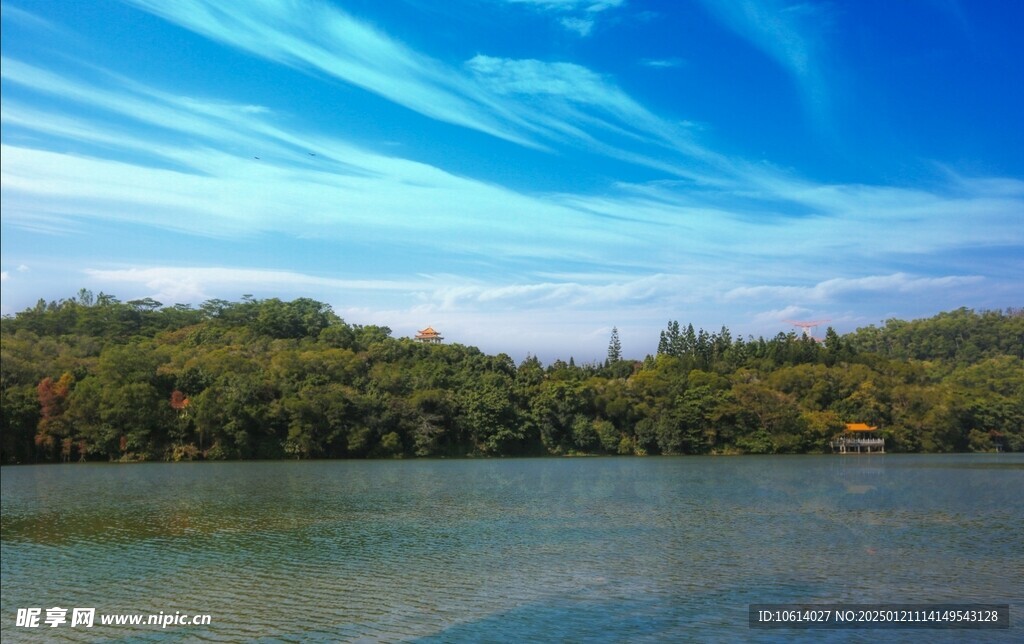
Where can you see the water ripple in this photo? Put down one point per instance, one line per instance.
(581, 549)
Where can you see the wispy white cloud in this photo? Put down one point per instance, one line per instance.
(582, 13)
(581, 26)
(14, 14)
(4, 276)
(216, 187)
(791, 33)
(662, 63)
(564, 5)
(572, 103)
(777, 316)
(228, 191)
(454, 297)
(201, 179)
(243, 197)
(565, 81)
(429, 295)
(316, 37)
(775, 214)
(312, 36)
(195, 284)
(213, 187)
(830, 290)
(319, 38)
(535, 77)
(623, 292)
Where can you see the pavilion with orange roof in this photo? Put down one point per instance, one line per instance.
(858, 439)
(429, 336)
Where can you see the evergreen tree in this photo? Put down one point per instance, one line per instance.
(614, 347)
(669, 343)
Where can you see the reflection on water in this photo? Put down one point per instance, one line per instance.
(613, 548)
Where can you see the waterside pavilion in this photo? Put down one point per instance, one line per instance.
(858, 439)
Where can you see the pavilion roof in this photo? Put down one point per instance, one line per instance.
(859, 427)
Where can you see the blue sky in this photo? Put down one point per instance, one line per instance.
(521, 174)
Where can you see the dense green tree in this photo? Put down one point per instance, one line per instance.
(614, 347)
(488, 417)
(91, 377)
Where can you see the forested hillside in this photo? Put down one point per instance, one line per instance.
(92, 378)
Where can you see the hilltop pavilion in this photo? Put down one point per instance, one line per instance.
(429, 336)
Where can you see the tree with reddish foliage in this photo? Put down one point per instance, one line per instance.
(52, 394)
(52, 405)
(178, 401)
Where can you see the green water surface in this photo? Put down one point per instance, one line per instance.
(586, 549)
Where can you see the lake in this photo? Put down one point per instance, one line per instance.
(582, 549)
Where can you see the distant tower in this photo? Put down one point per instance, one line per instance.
(429, 336)
(808, 326)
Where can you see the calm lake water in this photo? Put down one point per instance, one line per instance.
(587, 549)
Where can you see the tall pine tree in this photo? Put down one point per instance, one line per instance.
(614, 347)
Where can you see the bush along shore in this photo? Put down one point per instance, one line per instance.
(93, 378)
